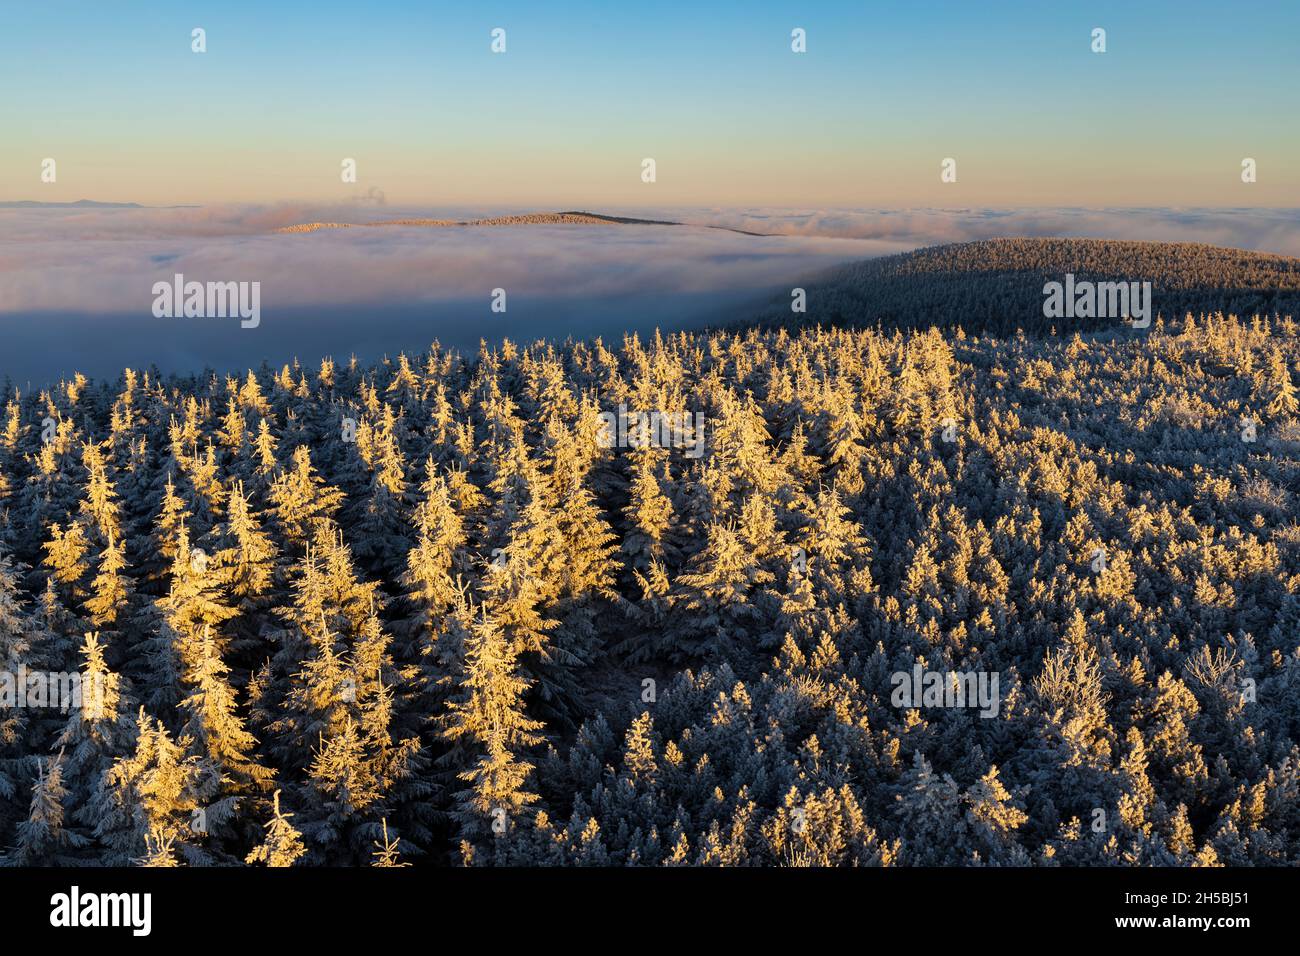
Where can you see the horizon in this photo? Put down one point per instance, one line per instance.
(85, 273)
(647, 207)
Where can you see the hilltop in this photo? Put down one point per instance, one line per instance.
(78, 204)
(572, 218)
(996, 285)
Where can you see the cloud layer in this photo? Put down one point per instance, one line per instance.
(108, 260)
(99, 260)
(1261, 230)
(76, 284)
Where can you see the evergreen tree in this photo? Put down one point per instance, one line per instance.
(491, 735)
(283, 845)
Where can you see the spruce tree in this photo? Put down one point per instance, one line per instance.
(491, 735)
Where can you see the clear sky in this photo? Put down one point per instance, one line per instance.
(710, 90)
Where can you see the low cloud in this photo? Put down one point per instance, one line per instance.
(76, 284)
(97, 260)
(1261, 230)
(108, 260)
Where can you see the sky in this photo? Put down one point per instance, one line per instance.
(712, 92)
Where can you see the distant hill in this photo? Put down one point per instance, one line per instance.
(996, 285)
(571, 218)
(78, 204)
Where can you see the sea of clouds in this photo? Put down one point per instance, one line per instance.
(76, 283)
(1261, 230)
(107, 260)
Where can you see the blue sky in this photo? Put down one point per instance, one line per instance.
(711, 91)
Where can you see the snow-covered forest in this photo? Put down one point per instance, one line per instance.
(427, 612)
(997, 284)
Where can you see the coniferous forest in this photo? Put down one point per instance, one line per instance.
(996, 284)
(427, 612)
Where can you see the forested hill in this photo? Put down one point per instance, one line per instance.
(432, 611)
(997, 285)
